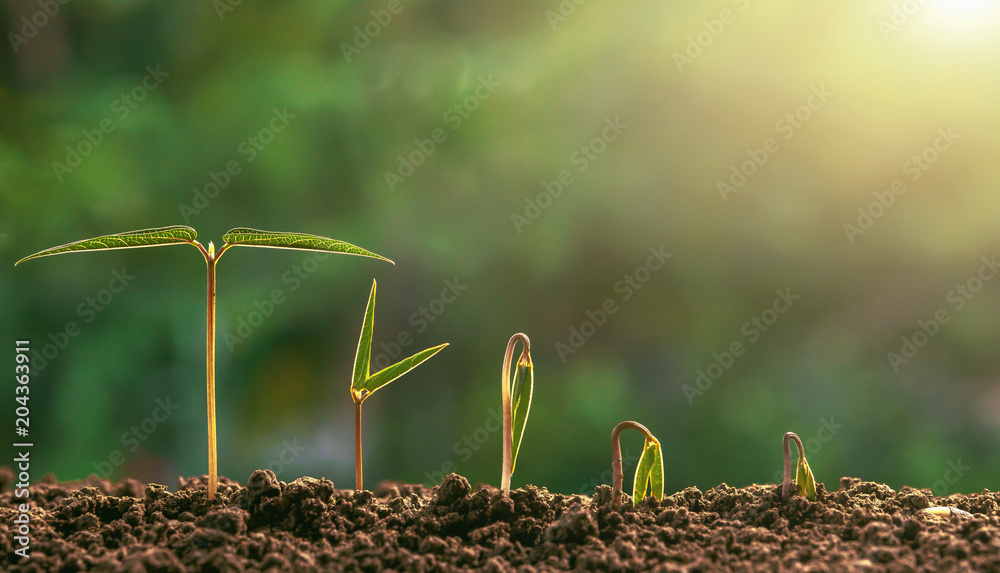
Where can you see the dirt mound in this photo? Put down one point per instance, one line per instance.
(309, 525)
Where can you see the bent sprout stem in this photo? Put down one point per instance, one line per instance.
(804, 480)
(507, 467)
(648, 472)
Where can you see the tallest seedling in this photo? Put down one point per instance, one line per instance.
(179, 234)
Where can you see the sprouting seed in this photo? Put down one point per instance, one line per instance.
(649, 471)
(516, 403)
(804, 480)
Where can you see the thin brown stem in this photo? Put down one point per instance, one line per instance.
(359, 481)
(616, 457)
(213, 455)
(508, 430)
(786, 478)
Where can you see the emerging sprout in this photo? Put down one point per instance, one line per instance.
(944, 512)
(516, 402)
(364, 385)
(179, 234)
(804, 480)
(649, 471)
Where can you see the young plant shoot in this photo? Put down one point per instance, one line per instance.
(649, 471)
(364, 385)
(516, 402)
(179, 234)
(804, 480)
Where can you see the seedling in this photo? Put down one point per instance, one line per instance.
(179, 234)
(804, 480)
(364, 385)
(516, 403)
(649, 471)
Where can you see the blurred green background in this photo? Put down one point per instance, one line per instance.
(849, 92)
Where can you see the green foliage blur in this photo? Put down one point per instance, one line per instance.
(569, 171)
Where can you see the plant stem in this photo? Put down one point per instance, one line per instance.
(616, 457)
(213, 470)
(786, 478)
(508, 431)
(359, 481)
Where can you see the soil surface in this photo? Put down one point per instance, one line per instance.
(308, 525)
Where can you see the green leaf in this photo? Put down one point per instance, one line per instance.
(649, 473)
(302, 241)
(804, 479)
(523, 385)
(132, 239)
(390, 373)
(362, 359)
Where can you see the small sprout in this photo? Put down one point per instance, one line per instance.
(649, 471)
(804, 480)
(179, 234)
(516, 402)
(364, 385)
(944, 512)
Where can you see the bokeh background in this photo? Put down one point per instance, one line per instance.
(184, 89)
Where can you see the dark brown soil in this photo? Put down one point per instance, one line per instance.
(308, 525)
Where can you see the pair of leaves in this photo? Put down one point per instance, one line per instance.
(649, 473)
(364, 384)
(804, 480)
(522, 387)
(178, 234)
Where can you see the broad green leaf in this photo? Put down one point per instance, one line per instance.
(390, 373)
(649, 473)
(524, 381)
(362, 359)
(132, 239)
(302, 241)
(804, 480)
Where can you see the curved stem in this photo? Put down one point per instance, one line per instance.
(616, 457)
(508, 422)
(786, 478)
